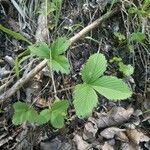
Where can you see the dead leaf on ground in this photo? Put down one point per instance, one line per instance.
(80, 143)
(116, 116)
(122, 137)
(137, 136)
(128, 146)
(56, 144)
(109, 133)
(90, 131)
(41, 103)
(107, 146)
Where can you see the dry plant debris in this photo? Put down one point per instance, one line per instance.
(116, 116)
(117, 29)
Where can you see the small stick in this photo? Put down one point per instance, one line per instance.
(43, 64)
(22, 81)
(93, 25)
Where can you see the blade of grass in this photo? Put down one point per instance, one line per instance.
(16, 35)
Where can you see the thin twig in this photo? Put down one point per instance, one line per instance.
(63, 90)
(22, 81)
(40, 66)
(93, 25)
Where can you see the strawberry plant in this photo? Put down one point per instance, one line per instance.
(94, 81)
(23, 113)
(59, 63)
(56, 114)
(85, 94)
(56, 60)
(127, 70)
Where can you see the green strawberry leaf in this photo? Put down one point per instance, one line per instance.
(44, 116)
(60, 105)
(112, 88)
(55, 115)
(23, 113)
(31, 115)
(120, 36)
(137, 37)
(19, 118)
(57, 61)
(85, 99)
(41, 50)
(57, 120)
(59, 46)
(58, 113)
(60, 64)
(127, 70)
(94, 68)
(20, 107)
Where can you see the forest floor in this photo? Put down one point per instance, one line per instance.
(113, 125)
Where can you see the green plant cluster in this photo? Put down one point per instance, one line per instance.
(127, 70)
(55, 54)
(137, 37)
(142, 10)
(55, 115)
(85, 95)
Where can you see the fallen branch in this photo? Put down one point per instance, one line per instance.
(93, 25)
(40, 66)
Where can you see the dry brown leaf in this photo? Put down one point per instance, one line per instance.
(116, 116)
(42, 103)
(128, 146)
(89, 131)
(137, 136)
(106, 146)
(80, 143)
(109, 133)
(122, 137)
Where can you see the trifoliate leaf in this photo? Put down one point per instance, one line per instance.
(58, 113)
(44, 116)
(60, 64)
(137, 37)
(23, 113)
(55, 115)
(112, 88)
(94, 68)
(85, 99)
(41, 50)
(126, 69)
(59, 46)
